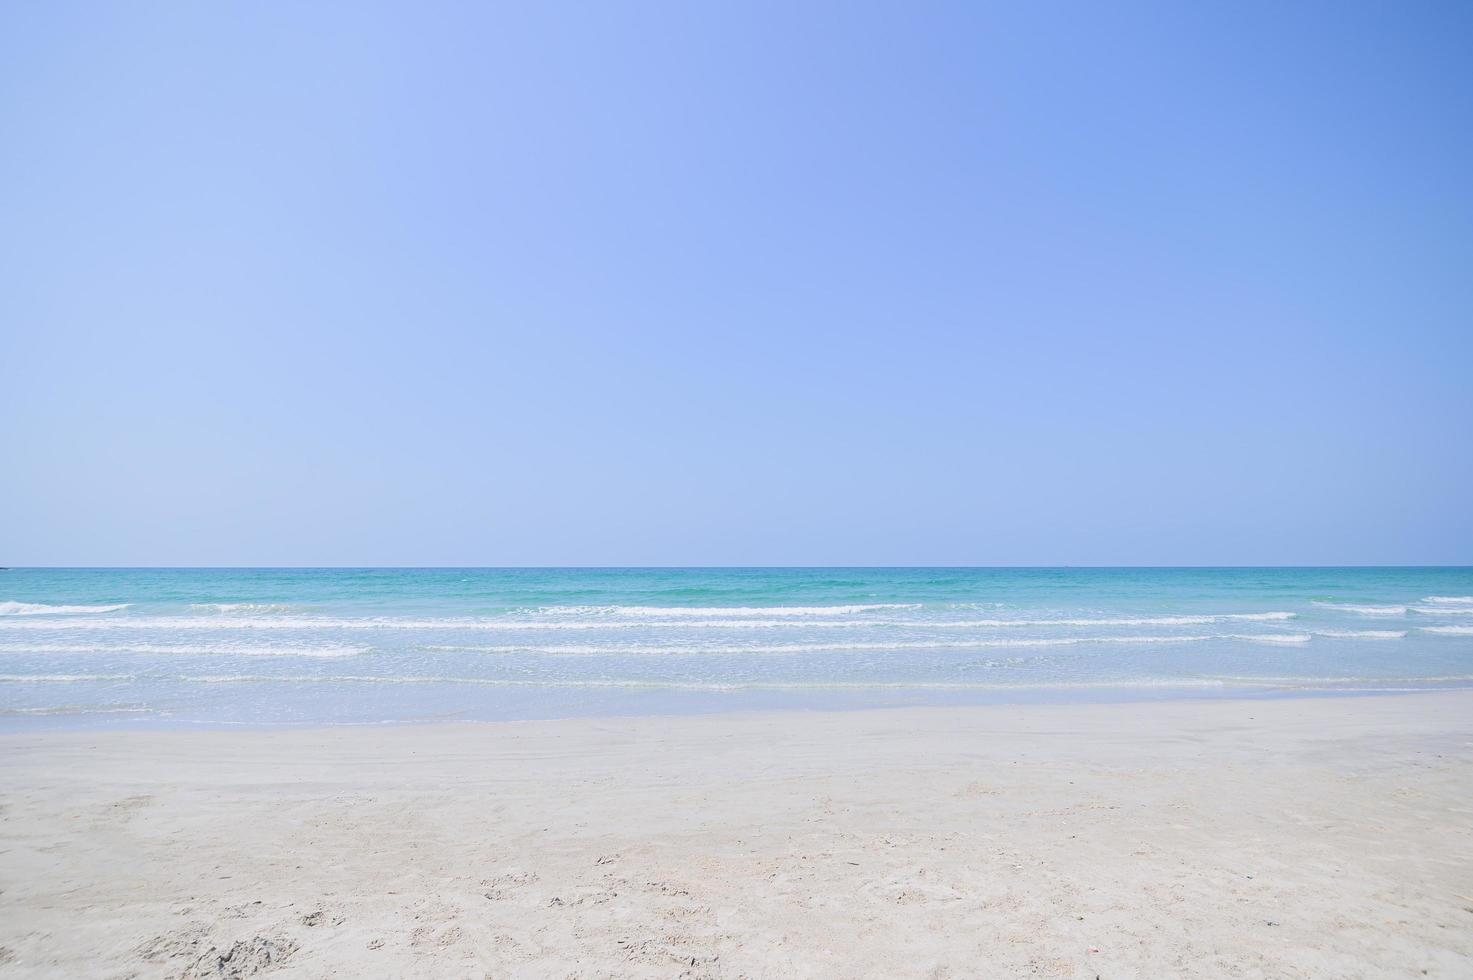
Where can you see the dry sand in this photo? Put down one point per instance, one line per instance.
(1294, 838)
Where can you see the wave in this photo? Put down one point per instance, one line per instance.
(79, 709)
(61, 678)
(42, 609)
(1192, 682)
(1275, 638)
(1447, 610)
(1335, 683)
(709, 611)
(1365, 610)
(592, 650)
(189, 649)
(246, 608)
(641, 650)
(1363, 634)
(1450, 600)
(234, 623)
(714, 614)
(516, 625)
(1448, 630)
(1299, 682)
(1186, 620)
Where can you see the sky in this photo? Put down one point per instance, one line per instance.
(736, 283)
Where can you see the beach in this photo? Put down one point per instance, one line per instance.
(828, 491)
(1295, 837)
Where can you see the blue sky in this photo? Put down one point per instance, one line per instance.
(756, 283)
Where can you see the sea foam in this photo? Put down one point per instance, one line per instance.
(1365, 610)
(1363, 634)
(686, 650)
(61, 678)
(187, 649)
(716, 611)
(1274, 637)
(623, 621)
(10, 608)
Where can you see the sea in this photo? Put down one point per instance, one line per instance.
(170, 648)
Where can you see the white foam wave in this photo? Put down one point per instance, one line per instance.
(1383, 684)
(1186, 620)
(1448, 630)
(1144, 682)
(1369, 684)
(1365, 610)
(42, 609)
(1299, 681)
(1448, 610)
(1450, 600)
(188, 649)
(717, 611)
(242, 608)
(77, 709)
(235, 623)
(1275, 638)
(61, 678)
(273, 622)
(1363, 634)
(641, 650)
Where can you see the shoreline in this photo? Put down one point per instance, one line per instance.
(1298, 836)
(57, 722)
(739, 716)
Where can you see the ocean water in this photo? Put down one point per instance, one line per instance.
(264, 647)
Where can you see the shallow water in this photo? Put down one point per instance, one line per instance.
(117, 647)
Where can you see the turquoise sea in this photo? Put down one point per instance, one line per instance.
(264, 647)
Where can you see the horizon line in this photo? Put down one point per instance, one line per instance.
(794, 567)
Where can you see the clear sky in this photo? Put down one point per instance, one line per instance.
(736, 283)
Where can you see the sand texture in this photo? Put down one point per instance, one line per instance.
(1292, 838)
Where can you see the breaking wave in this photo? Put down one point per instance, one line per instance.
(61, 678)
(642, 650)
(188, 649)
(1275, 638)
(716, 611)
(1365, 610)
(242, 608)
(280, 622)
(1145, 682)
(10, 608)
(1363, 634)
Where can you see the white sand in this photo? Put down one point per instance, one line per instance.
(1305, 838)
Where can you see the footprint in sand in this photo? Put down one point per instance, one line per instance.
(507, 883)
